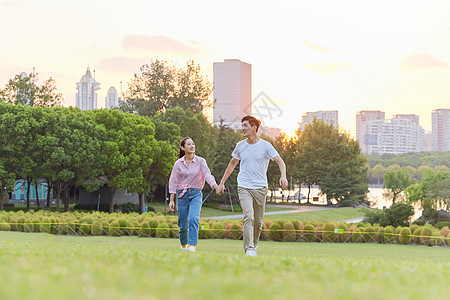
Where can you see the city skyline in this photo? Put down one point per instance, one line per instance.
(312, 56)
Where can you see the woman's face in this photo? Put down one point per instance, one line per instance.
(189, 146)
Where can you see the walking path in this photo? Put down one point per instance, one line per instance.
(298, 209)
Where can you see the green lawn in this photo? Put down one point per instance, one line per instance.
(43, 266)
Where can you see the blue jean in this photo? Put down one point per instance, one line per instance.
(189, 206)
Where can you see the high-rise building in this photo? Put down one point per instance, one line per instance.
(112, 98)
(401, 134)
(440, 128)
(271, 132)
(328, 116)
(86, 97)
(232, 92)
(366, 115)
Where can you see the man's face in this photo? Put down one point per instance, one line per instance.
(247, 129)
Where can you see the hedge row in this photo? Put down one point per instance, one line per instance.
(158, 225)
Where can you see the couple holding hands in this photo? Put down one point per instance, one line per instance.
(190, 172)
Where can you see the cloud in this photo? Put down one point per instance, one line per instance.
(122, 65)
(328, 67)
(157, 44)
(421, 61)
(315, 47)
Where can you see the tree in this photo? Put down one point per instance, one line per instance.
(441, 168)
(432, 192)
(378, 172)
(397, 182)
(6, 182)
(332, 160)
(421, 171)
(162, 86)
(23, 89)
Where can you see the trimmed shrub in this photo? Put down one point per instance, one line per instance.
(85, 227)
(264, 233)
(115, 229)
(235, 231)
(441, 225)
(96, 228)
(12, 223)
(445, 231)
(203, 230)
(309, 234)
(436, 239)
(357, 236)
(343, 237)
(416, 235)
(397, 233)
(218, 230)
(275, 233)
(45, 226)
(124, 226)
(369, 234)
(288, 233)
(388, 235)
(174, 231)
(379, 235)
(413, 227)
(405, 236)
(37, 225)
(153, 224)
(298, 229)
(328, 234)
(145, 229)
(105, 228)
(163, 231)
(4, 226)
(425, 235)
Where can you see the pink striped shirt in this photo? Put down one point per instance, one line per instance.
(184, 177)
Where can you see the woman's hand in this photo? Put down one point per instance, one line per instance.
(172, 202)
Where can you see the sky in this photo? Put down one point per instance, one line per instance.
(306, 56)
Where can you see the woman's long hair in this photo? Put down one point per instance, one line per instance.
(182, 143)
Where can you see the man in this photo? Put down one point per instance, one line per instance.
(254, 154)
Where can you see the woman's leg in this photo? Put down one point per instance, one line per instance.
(183, 213)
(194, 216)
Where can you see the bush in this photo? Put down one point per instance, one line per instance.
(357, 236)
(369, 234)
(96, 228)
(127, 207)
(388, 235)
(309, 233)
(106, 228)
(115, 229)
(298, 229)
(124, 226)
(4, 226)
(45, 226)
(436, 239)
(344, 237)
(218, 230)
(153, 224)
(441, 225)
(379, 235)
(405, 236)
(174, 231)
(163, 231)
(372, 215)
(145, 229)
(397, 215)
(275, 232)
(416, 235)
(235, 231)
(288, 233)
(413, 227)
(37, 225)
(85, 226)
(445, 231)
(425, 236)
(328, 232)
(203, 230)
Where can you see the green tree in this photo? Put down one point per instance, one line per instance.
(421, 171)
(47, 95)
(393, 168)
(432, 192)
(378, 172)
(6, 182)
(332, 160)
(441, 168)
(397, 182)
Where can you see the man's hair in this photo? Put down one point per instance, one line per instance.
(252, 121)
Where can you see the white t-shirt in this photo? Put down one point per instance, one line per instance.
(254, 162)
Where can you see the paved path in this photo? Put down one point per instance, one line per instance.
(298, 209)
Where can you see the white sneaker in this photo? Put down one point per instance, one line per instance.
(192, 248)
(251, 252)
(184, 248)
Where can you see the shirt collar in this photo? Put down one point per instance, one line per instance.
(194, 159)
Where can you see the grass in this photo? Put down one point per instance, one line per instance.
(42, 266)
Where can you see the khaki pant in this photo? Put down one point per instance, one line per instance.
(253, 202)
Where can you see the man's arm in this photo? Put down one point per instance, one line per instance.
(282, 166)
(231, 165)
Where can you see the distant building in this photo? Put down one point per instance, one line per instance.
(440, 123)
(328, 116)
(364, 116)
(86, 97)
(429, 141)
(112, 98)
(401, 134)
(271, 132)
(232, 92)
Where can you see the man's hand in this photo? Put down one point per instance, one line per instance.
(220, 189)
(283, 182)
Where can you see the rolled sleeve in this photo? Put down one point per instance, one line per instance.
(207, 174)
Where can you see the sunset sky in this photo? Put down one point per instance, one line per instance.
(306, 55)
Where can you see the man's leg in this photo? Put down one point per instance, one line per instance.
(259, 202)
(246, 201)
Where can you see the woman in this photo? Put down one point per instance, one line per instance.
(186, 181)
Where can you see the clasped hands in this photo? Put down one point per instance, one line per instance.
(220, 189)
